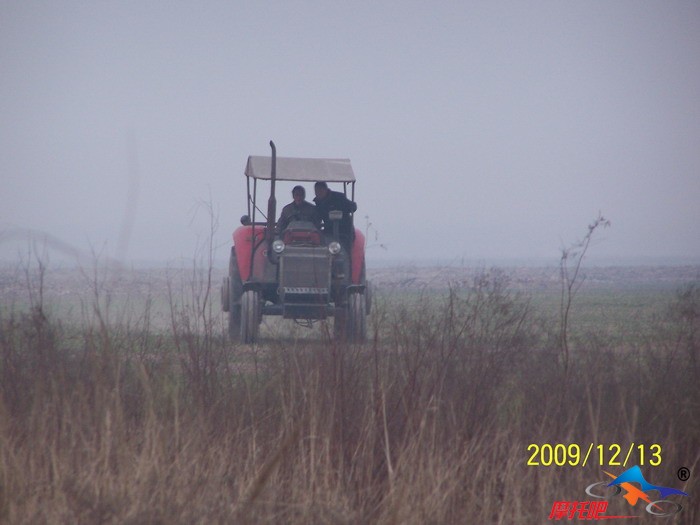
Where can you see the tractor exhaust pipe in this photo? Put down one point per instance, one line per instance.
(272, 202)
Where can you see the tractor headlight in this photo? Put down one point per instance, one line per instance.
(278, 246)
(334, 248)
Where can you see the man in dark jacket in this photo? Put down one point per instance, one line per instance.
(298, 210)
(327, 201)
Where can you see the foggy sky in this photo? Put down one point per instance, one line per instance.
(476, 130)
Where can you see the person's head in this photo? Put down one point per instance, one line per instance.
(321, 190)
(298, 194)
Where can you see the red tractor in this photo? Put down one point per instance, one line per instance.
(303, 272)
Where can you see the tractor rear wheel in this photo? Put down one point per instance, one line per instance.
(356, 321)
(250, 316)
(225, 293)
(368, 297)
(231, 299)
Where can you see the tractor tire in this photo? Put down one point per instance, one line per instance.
(250, 316)
(339, 323)
(356, 321)
(234, 317)
(368, 297)
(225, 294)
(368, 289)
(234, 295)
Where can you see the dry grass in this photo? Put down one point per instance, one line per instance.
(429, 422)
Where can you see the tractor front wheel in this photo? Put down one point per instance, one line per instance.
(250, 316)
(339, 323)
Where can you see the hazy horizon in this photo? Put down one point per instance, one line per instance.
(486, 131)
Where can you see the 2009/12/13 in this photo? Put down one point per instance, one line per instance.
(607, 455)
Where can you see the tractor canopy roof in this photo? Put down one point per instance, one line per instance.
(302, 170)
